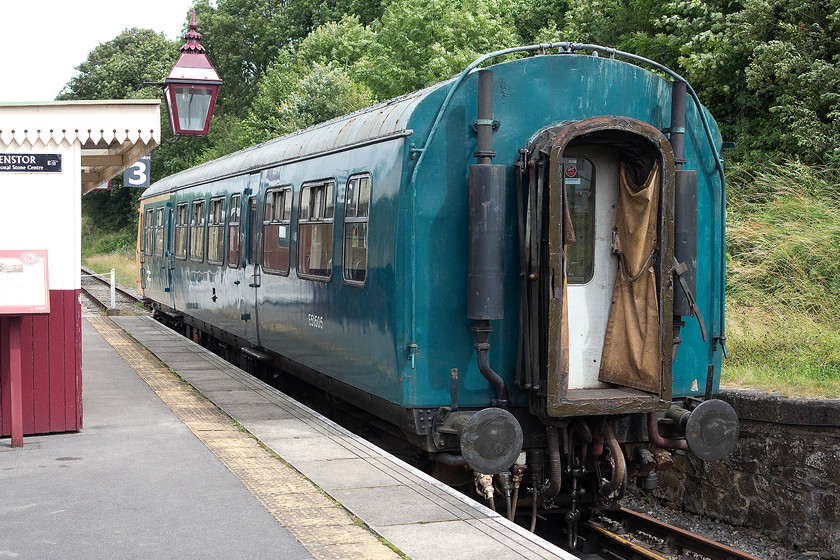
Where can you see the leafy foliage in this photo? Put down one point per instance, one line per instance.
(242, 37)
(118, 68)
(418, 44)
(297, 96)
(767, 69)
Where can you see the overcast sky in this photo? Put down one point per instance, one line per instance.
(44, 40)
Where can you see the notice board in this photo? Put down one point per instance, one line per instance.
(24, 282)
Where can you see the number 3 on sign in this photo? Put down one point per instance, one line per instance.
(138, 174)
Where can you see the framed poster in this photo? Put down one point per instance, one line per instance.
(24, 282)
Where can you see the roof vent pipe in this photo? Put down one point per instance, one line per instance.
(487, 215)
(485, 301)
(685, 214)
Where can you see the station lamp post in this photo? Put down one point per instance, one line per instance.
(191, 88)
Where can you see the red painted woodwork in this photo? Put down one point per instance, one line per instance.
(51, 368)
(13, 344)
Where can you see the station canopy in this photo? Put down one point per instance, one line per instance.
(112, 134)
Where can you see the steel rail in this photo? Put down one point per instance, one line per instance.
(618, 545)
(676, 537)
(95, 300)
(85, 273)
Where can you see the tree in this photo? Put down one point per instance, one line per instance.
(795, 64)
(342, 44)
(295, 96)
(418, 44)
(116, 69)
(243, 38)
(769, 70)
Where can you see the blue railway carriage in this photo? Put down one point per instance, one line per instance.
(521, 268)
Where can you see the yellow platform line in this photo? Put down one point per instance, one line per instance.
(323, 527)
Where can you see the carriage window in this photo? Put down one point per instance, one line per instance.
(356, 210)
(233, 231)
(147, 232)
(181, 230)
(215, 231)
(197, 231)
(277, 230)
(315, 229)
(579, 178)
(158, 232)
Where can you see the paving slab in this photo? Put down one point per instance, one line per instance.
(135, 483)
(420, 516)
(341, 474)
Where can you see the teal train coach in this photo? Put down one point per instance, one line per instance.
(520, 269)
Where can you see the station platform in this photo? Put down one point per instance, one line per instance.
(205, 461)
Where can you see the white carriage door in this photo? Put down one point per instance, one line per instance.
(591, 181)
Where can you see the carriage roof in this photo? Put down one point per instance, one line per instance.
(378, 122)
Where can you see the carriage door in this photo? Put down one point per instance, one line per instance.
(145, 246)
(169, 254)
(591, 179)
(252, 277)
(160, 268)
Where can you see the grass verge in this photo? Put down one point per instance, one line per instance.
(124, 265)
(783, 281)
(103, 251)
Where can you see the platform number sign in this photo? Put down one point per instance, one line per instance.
(138, 174)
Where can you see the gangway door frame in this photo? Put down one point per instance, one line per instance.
(560, 401)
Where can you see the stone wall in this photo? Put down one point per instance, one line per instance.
(782, 479)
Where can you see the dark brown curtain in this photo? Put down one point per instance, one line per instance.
(632, 354)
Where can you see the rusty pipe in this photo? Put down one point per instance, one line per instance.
(555, 463)
(619, 473)
(482, 329)
(451, 459)
(658, 440)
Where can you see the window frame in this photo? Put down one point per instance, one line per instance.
(158, 232)
(148, 218)
(589, 236)
(351, 218)
(212, 216)
(234, 211)
(182, 229)
(194, 227)
(309, 218)
(280, 219)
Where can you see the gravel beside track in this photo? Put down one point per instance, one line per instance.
(741, 538)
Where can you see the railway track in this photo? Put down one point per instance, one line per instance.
(626, 534)
(97, 293)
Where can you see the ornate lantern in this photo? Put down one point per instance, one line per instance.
(191, 88)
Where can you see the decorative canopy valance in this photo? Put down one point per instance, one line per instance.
(112, 134)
